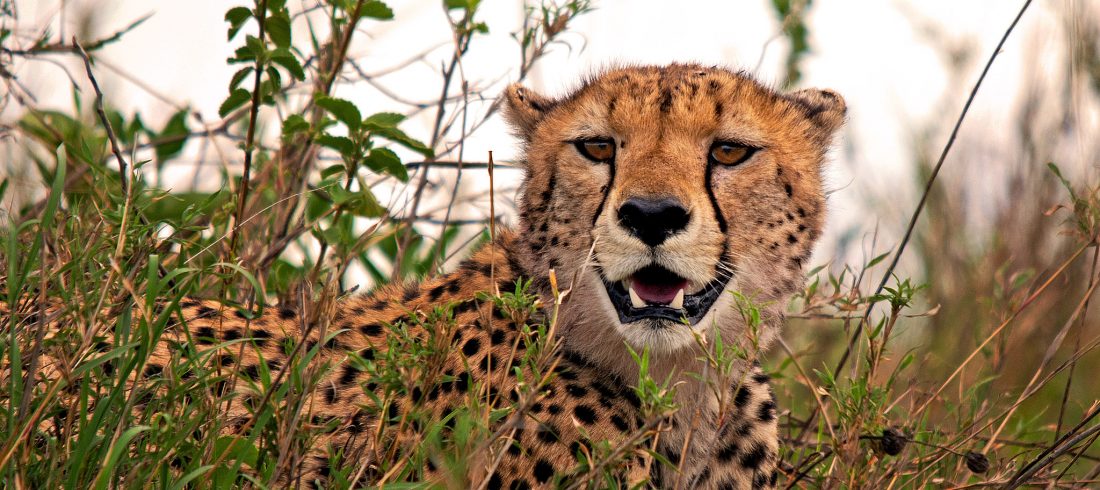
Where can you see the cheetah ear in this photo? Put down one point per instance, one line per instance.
(825, 108)
(523, 109)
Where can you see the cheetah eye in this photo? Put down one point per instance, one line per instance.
(730, 153)
(597, 149)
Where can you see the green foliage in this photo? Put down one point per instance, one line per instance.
(792, 17)
(115, 263)
(900, 296)
(1084, 208)
(872, 423)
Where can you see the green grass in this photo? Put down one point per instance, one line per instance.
(975, 373)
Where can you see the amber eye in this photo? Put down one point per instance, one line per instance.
(728, 153)
(597, 150)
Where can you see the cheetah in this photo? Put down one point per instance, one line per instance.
(652, 194)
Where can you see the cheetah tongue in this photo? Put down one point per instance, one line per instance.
(643, 293)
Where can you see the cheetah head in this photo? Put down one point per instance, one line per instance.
(657, 191)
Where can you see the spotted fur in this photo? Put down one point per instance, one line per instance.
(759, 219)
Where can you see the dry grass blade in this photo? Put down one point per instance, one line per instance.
(927, 190)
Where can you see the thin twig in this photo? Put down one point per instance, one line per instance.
(462, 165)
(61, 47)
(1077, 346)
(1052, 349)
(1027, 302)
(1048, 456)
(461, 45)
(924, 195)
(492, 226)
(250, 138)
(458, 180)
(122, 168)
(304, 153)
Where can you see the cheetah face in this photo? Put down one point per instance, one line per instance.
(659, 189)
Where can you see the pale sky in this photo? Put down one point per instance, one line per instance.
(880, 55)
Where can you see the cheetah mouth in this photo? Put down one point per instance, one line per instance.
(654, 292)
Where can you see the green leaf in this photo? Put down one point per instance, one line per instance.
(286, 59)
(177, 130)
(332, 235)
(397, 136)
(257, 289)
(270, 88)
(241, 55)
(282, 274)
(333, 170)
(278, 30)
(116, 451)
(377, 10)
(85, 367)
(384, 119)
(236, 18)
(337, 192)
(231, 448)
(273, 78)
(1065, 182)
(177, 206)
(385, 160)
(341, 109)
(341, 144)
(236, 99)
(252, 50)
(384, 124)
(195, 473)
(876, 260)
(316, 205)
(365, 204)
(293, 125)
(136, 127)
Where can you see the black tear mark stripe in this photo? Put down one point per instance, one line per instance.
(714, 199)
(606, 191)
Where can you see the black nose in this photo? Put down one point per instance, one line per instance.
(653, 220)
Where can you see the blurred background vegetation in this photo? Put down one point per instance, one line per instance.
(365, 157)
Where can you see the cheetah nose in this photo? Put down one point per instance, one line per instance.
(653, 220)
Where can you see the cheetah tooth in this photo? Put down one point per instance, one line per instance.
(635, 300)
(678, 301)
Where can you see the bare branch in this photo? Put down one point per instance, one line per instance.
(253, 113)
(122, 168)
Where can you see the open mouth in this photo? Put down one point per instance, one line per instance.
(656, 292)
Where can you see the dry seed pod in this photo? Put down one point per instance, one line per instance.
(892, 441)
(977, 462)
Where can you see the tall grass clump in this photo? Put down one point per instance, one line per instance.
(960, 356)
(972, 373)
(99, 251)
